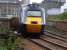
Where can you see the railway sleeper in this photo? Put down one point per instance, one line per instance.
(55, 36)
(47, 44)
(54, 41)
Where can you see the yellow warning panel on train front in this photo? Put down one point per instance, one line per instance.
(34, 24)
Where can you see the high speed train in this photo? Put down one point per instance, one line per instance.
(32, 19)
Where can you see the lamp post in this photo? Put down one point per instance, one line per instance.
(44, 3)
(7, 14)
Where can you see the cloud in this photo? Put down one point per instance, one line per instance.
(20, 0)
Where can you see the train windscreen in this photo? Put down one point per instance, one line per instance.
(34, 13)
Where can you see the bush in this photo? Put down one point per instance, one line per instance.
(62, 16)
(14, 22)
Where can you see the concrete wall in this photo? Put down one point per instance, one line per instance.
(65, 10)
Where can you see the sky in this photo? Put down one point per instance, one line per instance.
(62, 7)
(65, 5)
(38, 1)
(57, 10)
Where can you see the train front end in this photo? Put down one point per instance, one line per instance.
(34, 19)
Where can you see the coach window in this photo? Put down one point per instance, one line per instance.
(3, 12)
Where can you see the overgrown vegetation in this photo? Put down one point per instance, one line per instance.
(3, 28)
(9, 41)
(62, 16)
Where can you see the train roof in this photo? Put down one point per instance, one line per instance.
(33, 7)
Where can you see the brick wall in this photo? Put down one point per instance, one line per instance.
(58, 24)
(61, 25)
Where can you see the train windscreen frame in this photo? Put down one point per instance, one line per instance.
(34, 13)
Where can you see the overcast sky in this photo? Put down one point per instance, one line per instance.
(38, 1)
(62, 7)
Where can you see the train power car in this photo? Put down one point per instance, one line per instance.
(33, 19)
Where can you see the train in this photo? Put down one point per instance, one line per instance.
(32, 19)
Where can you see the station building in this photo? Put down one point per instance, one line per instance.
(9, 8)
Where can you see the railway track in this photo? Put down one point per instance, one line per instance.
(50, 42)
(50, 33)
(48, 45)
(54, 41)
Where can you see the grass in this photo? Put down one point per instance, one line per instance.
(62, 17)
(3, 28)
(3, 48)
(11, 42)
